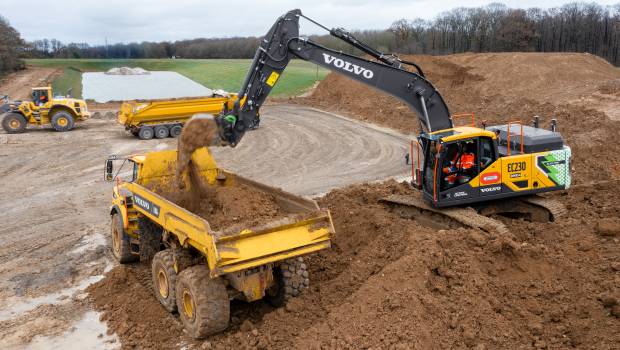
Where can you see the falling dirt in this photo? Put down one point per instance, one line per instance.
(198, 132)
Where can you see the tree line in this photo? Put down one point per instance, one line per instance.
(11, 46)
(574, 27)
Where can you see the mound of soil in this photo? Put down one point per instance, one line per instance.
(226, 208)
(390, 282)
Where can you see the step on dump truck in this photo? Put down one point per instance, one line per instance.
(196, 268)
(165, 118)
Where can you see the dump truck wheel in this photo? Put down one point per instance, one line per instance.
(146, 133)
(62, 121)
(291, 279)
(14, 123)
(164, 274)
(161, 132)
(202, 301)
(120, 242)
(175, 130)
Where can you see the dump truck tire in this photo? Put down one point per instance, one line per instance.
(146, 133)
(202, 302)
(175, 130)
(164, 274)
(161, 132)
(120, 242)
(14, 123)
(291, 279)
(62, 121)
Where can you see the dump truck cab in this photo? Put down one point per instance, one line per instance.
(44, 108)
(469, 164)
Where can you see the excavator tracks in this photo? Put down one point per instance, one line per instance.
(555, 208)
(411, 206)
(534, 208)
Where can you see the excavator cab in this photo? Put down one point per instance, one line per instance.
(454, 160)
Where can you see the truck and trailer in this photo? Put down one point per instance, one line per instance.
(165, 118)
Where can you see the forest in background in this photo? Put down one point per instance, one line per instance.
(574, 27)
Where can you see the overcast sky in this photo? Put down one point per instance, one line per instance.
(93, 21)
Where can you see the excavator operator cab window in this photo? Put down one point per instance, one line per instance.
(487, 152)
(459, 164)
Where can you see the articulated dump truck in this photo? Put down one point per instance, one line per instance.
(165, 118)
(196, 268)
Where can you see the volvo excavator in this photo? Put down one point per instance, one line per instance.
(465, 173)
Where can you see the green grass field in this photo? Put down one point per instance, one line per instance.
(227, 74)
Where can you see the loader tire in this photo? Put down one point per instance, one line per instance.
(146, 133)
(175, 131)
(14, 123)
(62, 121)
(291, 279)
(202, 301)
(120, 242)
(164, 273)
(161, 132)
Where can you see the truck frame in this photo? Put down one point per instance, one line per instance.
(197, 270)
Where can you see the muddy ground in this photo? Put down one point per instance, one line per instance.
(388, 282)
(55, 204)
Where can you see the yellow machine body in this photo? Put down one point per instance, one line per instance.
(227, 251)
(135, 114)
(502, 168)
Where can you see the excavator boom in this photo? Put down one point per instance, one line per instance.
(282, 43)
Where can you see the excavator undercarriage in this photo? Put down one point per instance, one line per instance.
(480, 215)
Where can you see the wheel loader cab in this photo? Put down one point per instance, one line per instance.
(41, 96)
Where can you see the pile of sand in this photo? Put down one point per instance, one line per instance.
(127, 71)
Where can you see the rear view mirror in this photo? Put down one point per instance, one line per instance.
(109, 167)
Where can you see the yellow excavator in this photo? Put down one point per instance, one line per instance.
(467, 165)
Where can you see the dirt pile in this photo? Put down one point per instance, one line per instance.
(390, 282)
(226, 208)
(127, 71)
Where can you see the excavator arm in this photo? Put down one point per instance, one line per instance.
(282, 43)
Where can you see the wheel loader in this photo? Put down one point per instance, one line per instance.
(470, 166)
(196, 270)
(44, 108)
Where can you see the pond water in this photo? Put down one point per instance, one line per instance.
(103, 87)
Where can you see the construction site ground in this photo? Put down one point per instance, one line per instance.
(388, 282)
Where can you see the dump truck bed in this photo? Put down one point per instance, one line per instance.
(137, 113)
(306, 230)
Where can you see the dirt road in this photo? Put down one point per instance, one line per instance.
(17, 85)
(55, 211)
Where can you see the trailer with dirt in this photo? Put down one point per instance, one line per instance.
(197, 268)
(165, 118)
